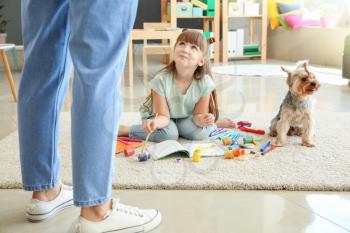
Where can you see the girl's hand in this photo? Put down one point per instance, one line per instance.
(208, 119)
(202, 120)
(225, 123)
(149, 125)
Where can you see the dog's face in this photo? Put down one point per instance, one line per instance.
(302, 82)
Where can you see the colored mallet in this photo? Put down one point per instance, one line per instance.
(250, 130)
(143, 157)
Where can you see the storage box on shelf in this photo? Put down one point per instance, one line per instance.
(234, 45)
(207, 10)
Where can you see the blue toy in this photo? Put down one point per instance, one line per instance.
(143, 157)
(264, 147)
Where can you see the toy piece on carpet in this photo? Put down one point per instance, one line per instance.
(250, 130)
(196, 157)
(243, 124)
(124, 143)
(265, 146)
(270, 148)
(144, 156)
(231, 154)
(129, 152)
(217, 131)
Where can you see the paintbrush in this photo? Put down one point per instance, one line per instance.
(149, 134)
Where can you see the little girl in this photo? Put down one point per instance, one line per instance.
(183, 97)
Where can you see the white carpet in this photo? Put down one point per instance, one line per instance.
(324, 75)
(326, 167)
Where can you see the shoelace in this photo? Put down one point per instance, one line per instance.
(68, 188)
(125, 209)
(129, 210)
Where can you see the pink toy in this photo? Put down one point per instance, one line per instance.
(129, 152)
(243, 124)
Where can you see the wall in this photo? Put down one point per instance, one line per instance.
(12, 12)
(322, 46)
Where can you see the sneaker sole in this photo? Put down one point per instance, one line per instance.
(41, 217)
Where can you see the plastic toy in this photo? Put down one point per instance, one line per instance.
(272, 146)
(248, 139)
(243, 124)
(129, 152)
(250, 130)
(264, 147)
(230, 154)
(197, 155)
(143, 157)
(217, 132)
(248, 145)
(227, 141)
(234, 146)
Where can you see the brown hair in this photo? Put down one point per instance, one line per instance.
(197, 38)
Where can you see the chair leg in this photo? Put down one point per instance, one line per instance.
(145, 66)
(166, 59)
(9, 75)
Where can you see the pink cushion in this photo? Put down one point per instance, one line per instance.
(311, 22)
(328, 21)
(294, 21)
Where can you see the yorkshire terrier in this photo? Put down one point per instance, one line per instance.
(294, 116)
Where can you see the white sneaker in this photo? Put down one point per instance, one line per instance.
(38, 210)
(121, 219)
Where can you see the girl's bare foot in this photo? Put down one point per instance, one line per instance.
(225, 123)
(123, 131)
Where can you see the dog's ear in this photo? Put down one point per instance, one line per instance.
(289, 79)
(305, 67)
(302, 64)
(285, 70)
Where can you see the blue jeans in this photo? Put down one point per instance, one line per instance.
(93, 35)
(183, 127)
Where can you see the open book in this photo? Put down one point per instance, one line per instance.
(172, 147)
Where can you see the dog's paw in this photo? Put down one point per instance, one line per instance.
(308, 144)
(273, 133)
(279, 143)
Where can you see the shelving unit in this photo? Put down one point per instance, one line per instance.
(252, 27)
(207, 20)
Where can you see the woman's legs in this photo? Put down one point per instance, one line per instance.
(98, 46)
(44, 83)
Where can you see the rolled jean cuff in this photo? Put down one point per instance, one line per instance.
(41, 187)
(99, 201)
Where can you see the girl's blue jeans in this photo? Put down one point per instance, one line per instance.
(183, 127)
(93, 36)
